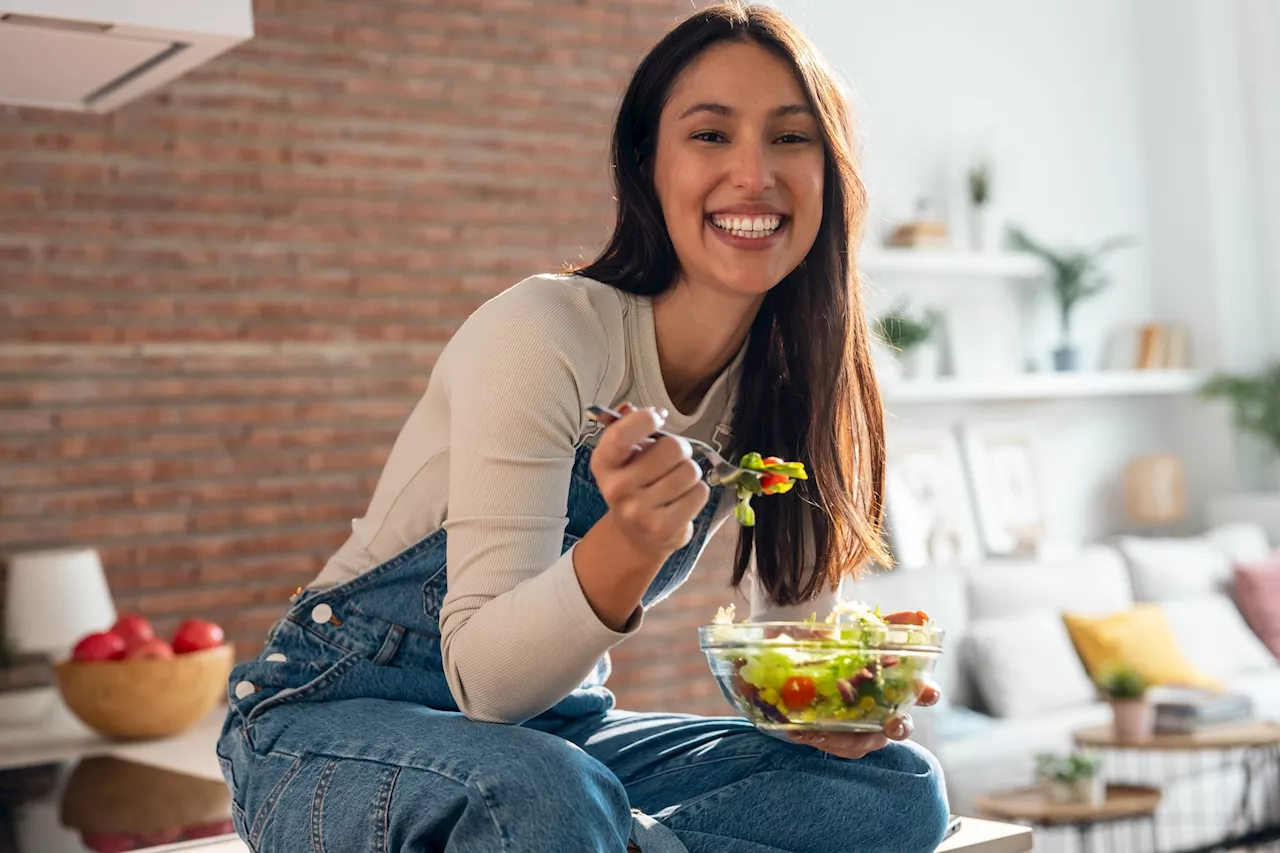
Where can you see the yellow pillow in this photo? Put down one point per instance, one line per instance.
(1139, 637)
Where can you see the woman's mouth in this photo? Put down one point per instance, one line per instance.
(748, 227)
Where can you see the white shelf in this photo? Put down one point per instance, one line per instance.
(945, 263)
(1044, 386)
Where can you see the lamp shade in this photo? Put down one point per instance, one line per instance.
(1154, 490)
(55, 598)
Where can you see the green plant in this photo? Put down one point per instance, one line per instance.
(1255, 401)
(1122, 681)
(1076, 272)
(979, 184)
(903, 331)
(1066, 768)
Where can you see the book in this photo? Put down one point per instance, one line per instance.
(1186, 710)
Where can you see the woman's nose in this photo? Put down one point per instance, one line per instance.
(752, 170)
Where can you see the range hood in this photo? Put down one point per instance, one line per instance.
(96, 55)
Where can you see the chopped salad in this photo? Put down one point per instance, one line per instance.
(852, 671)
(779, 477)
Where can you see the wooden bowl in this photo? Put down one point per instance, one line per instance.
(134, 699)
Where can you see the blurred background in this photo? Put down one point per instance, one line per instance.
(227, 271)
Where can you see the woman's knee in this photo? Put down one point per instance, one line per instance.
(915, 794)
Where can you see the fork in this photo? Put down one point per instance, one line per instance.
(723, 472)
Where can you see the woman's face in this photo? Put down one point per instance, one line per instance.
(739, 170)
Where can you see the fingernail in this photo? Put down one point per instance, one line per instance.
(662, 413)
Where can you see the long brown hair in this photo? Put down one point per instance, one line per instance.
(807, 390)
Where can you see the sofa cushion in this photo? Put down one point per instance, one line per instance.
(1163, 569)
(1139, 637)
(1257, 592)
(1003, 756)
(1242, 542)
(940, 592)
(1214, 638)
(1025, 665)
(1093, 581)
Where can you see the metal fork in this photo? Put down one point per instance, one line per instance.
(723, 472)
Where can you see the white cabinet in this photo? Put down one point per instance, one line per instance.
(94, 56)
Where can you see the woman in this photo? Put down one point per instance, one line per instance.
(440, 685)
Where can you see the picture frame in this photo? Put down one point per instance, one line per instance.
(1006, 486)
(929, 514)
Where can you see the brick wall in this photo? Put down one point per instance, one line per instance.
(219, 303)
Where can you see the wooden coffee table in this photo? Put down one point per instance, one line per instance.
(1135, 804)
(1254, 745)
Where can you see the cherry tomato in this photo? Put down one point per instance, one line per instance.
(768, 481)
(798, 691)
(907, 617)
(196, 634)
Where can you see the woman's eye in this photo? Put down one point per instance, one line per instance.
(709, 136)
(793, 138)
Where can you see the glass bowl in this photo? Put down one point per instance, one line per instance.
(806, 676)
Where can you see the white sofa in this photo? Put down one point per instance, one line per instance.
(1014, 685)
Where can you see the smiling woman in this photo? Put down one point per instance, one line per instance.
(445, 673)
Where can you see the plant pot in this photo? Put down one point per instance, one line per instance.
(1133, 719)
(977, 227)
(923, 361)
(1090, 791)
(1066, 358)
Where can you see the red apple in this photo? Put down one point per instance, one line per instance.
(194, 635)
(108, 842)
(153, 649)
(99, 647)
(134, 630)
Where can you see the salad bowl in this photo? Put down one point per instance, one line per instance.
(850, 673)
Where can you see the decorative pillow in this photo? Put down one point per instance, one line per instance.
(1257, 593)
(1214, 638)
(1164, 569)
(1025, 665)
(1139, 637)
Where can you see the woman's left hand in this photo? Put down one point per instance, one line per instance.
(858, 744)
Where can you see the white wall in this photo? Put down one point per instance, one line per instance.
(1073, 102)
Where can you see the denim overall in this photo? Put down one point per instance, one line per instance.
(343, 737)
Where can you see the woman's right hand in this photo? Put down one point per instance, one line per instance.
(653, 487)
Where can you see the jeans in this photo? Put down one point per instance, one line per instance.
(343, 737)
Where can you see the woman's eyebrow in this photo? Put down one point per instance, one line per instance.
(729, 112)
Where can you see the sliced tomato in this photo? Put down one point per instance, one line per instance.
(798, 691)
(907, 617)
(769, 481)
(772, 460)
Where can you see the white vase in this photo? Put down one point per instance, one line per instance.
(923, 361)
(1091, 791)
(977, 227)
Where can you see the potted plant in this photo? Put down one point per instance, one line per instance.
(979, 181)
(1255, 404)
(914, 337)
(1133, 717)
(1071, 778)
(1075, 276)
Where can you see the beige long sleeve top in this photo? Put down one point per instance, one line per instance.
(487, 454)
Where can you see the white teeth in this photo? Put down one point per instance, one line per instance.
(747, 226)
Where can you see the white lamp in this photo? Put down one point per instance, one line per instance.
(55, 598)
